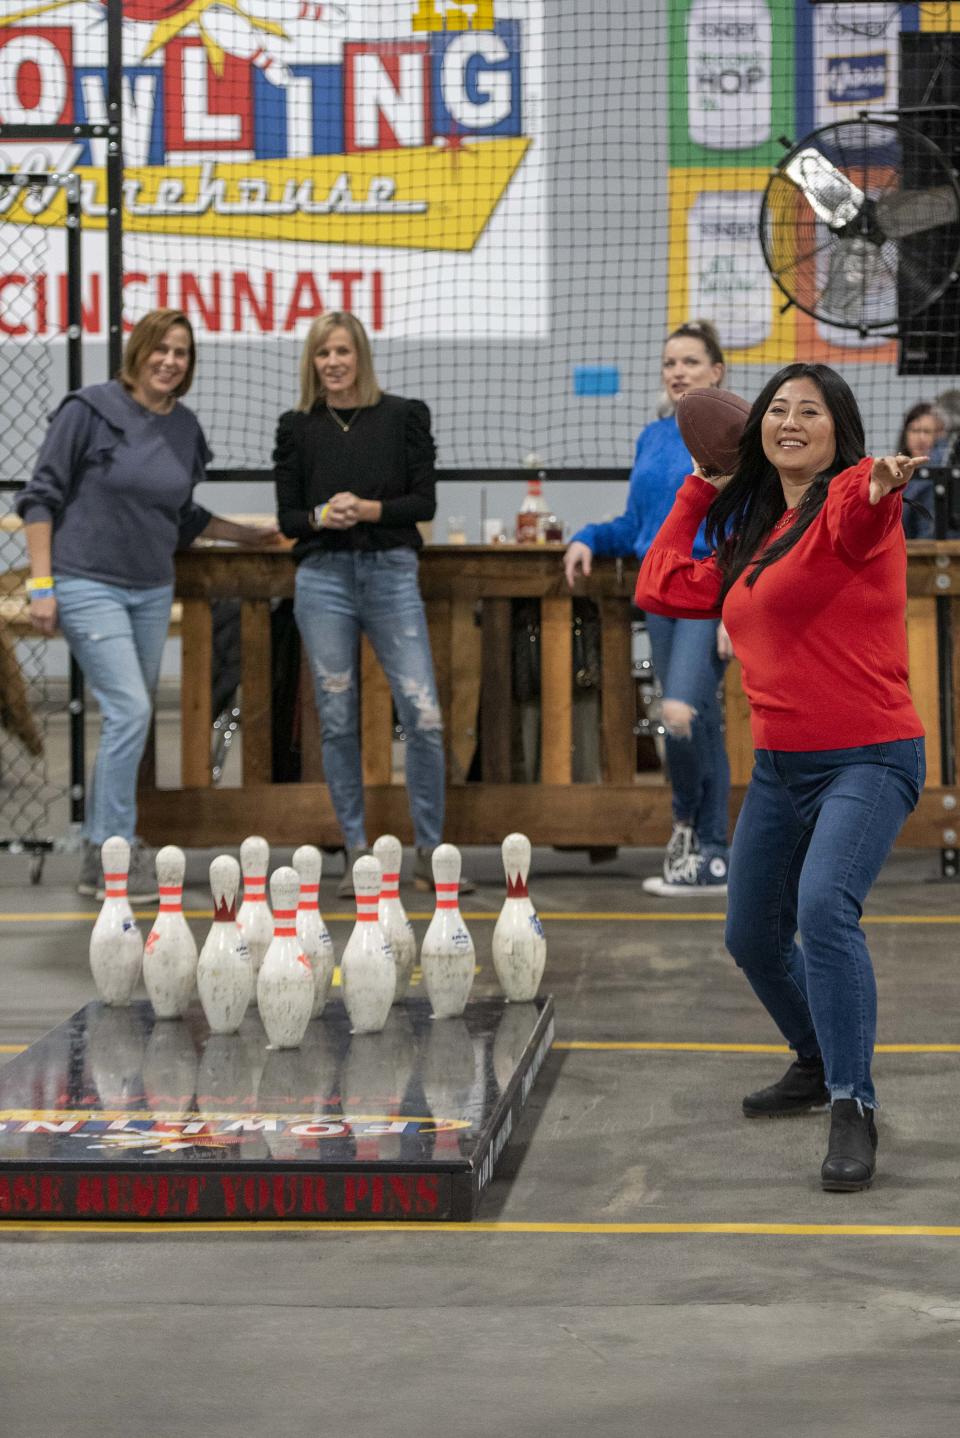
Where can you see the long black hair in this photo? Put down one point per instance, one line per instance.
(749, 505)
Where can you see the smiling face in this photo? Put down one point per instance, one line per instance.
(335, 361)
(798, 433)
(164, 369)
(687, 365)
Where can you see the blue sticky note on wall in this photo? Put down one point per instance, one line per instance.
(596, 379)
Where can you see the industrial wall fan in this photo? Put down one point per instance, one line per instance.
(860, 224)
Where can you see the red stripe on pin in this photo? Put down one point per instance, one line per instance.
(448, 888)
(389, 893)
(284, 933)
(284, 913)
(169, 909)
(175, 889)
(391, 878)
(447, 904)
(115, 878)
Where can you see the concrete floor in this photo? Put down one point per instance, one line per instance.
(500, 1330)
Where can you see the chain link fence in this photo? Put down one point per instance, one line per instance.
(33, 786)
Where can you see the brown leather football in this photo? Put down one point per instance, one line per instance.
(711, 422)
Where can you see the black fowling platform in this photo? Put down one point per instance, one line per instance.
(118, 1115)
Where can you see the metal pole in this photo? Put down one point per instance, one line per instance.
(78, 764)
(115, 182)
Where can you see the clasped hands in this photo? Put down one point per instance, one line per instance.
(341, 511)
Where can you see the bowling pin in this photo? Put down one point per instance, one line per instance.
(170, 953)
(224, 970)
(285, 984)
(368, 970)
(312, 932)
(254, 915)
(519, 946)
(448, 957)
(396, 927)
(116, 944)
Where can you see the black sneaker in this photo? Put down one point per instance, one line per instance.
(851, 1159)
(802, 1089)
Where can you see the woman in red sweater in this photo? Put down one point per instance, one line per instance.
(809, 575)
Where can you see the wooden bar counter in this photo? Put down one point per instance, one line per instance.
(468, 592)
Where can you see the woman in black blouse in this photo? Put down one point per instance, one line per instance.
(354, 475)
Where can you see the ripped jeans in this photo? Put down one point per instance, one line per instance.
(686, 662)
(338, 595)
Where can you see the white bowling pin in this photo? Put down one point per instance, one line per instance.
(519, 946)
(254, 915)
(116, 944)
(448, 957)
(396, 927)
(170, 953)
(285, 986)
(224, 970)
(368, 970)
(312, 932)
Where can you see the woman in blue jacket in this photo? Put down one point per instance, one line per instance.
(685, 651)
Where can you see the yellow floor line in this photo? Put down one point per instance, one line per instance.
(601, 1230)
(669, 1046)
(586, 917)
(654, 1045)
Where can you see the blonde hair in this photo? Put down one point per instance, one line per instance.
(144, 338)
(311, 390)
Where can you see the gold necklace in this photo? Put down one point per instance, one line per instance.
(339, 422)
(784, 518)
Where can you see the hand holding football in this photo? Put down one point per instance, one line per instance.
(711, 422)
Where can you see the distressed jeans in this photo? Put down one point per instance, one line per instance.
(116, 636)
(338, 595)
(812, 836)
(686, 662)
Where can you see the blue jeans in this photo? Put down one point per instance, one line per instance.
(686, 662)
(116, 636)
(337, 596)
(813, 833)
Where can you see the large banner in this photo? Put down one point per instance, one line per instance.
(284, 158)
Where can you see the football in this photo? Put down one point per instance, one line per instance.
(711, 422)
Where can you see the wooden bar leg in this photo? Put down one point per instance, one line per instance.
(924, 676)
(256, 682)
(439, 622)
(618, 702)
(466, 643)
(376, 719)
(495, 692)
(311, 760)
(737, 734)
(556, 683)
(196, 695)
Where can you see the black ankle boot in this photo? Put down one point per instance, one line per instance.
(801, 1089)
(851, 1157)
